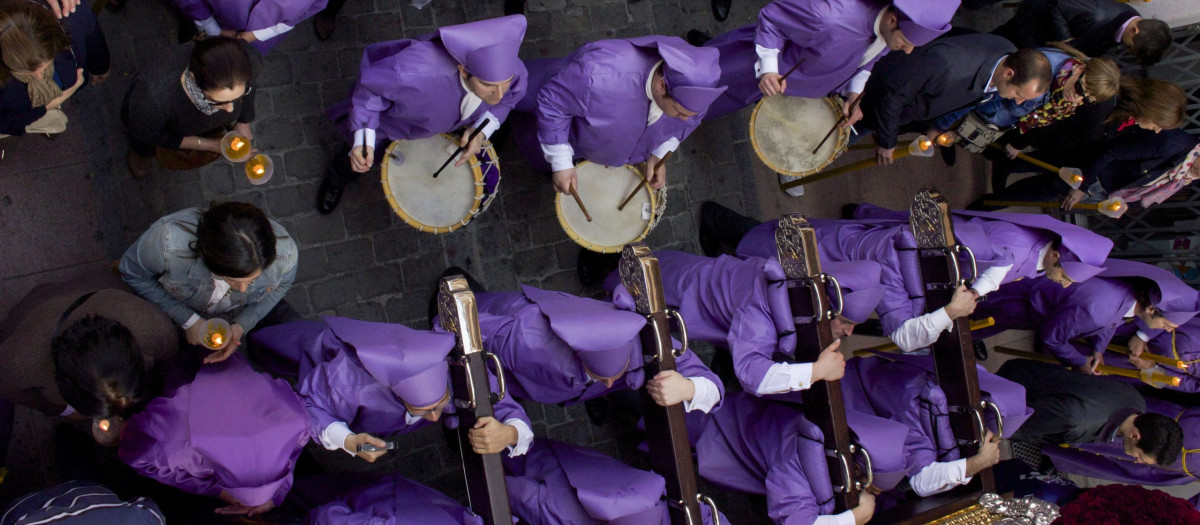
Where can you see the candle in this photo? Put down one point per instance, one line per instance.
(1077, 178)
(104, 425)
(216, 340)
(926, 144)
(237, 144)
(259, 169)
(944, 139)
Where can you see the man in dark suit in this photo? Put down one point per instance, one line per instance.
(1095, 27)
(953, 72)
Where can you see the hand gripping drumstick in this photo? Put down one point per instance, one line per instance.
(461, 148)
(645, 181)
(580, 203)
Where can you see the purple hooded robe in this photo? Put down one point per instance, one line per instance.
(595, 98)
(336, 386)
(411, 89)
(538, 349)
(231, 429)
(1182, 344)
(253, 15)
(739, 304)
(392, 500)
(884, 236)
(557, 483)
(1108, 460)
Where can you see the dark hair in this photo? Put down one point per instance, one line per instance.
(1159, 101)
(1146, 293)
(1029, 65)
(1161, 438)
(29, 37)
(235, 239)
(99, 369)
(220, 63)
(1151, 41)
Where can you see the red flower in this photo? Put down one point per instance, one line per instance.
(1127, 505)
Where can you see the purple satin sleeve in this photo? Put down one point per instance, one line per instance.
(690, 365)
(507, 408)
(194, 9)
(752, 341)
(1059, 328)
(150, 447)
(781, 23)
(562, 98)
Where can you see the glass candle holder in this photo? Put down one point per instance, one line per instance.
(1071, 176)
(259, 169)
(216, 334)
(235, 148)
(1113, 207)
(921, 147)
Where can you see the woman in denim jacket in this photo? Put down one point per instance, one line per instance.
(230, 261)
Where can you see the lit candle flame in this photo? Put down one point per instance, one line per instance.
(925, 144)
(1114, 206)
(237, 144)
(259, 170)
(1174, 381)
(217, 339)
(104, 425)
(1077, 178)
(944, 139)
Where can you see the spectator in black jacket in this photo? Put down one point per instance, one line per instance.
(188, 99)
(1095, 27)
(44, 63)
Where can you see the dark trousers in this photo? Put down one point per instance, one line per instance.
(331, 9)
(340, 174)
(725, 225)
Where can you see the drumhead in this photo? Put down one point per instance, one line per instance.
(602, 189)
(432, 205)
(784, 130)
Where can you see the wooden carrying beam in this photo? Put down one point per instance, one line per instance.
(666, 428)
(473, 398)
(813, 313)
(954, 358)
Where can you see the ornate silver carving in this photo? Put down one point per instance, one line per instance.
(791, 245)
(633, 275)
(447, 308)
(929, 218)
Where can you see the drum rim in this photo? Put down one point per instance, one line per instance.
(843, 140)
(477, 171)
(599, 248)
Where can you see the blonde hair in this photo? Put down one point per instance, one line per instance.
(29, 37)
(1101, 76)
(1158, 101)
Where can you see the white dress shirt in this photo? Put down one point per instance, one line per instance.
(785, 377)
(938, 477)
(333, 437)
(211, 28)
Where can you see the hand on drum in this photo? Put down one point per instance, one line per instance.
(772, 84)
(470, 149)
(565, 180)
(657, 172)
(362, 158)
(851, 113)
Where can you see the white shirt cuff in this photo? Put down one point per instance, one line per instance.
(493, 124)
(989, 281)
(364, 136)
(844, 518)
(939, 477)
(858, 82)
(707, 395)
(670, 145)
(334, 437)
(271, 32)
(921, 332)
(560, 156)
(785, 377)
(195, 318)
(768, 61)
(524, 437)
(209, 26)
(1142, 335)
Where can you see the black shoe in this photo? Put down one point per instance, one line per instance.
(697, 38)
(720, 9)
(597, 410)
(949, 154)
(329, 196)
(514, 7)
(709, 243)
(981, 351)
(594, 267)
(848, 211)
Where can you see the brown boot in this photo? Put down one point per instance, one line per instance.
(139, 166)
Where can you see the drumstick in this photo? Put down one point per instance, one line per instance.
(785, 75)
(461, 148)
(830, 134)
(644, 182)
(580, 203)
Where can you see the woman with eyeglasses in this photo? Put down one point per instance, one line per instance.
(229, 261)
(179, 108)
(43, 63)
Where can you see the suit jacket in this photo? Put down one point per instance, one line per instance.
(1136, 154)
(949, 73)
(1090, 25)
(26, 368)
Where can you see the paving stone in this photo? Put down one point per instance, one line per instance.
(312, 264)
(315, 228)
(349, 255)
(379, 281)
(331, 293)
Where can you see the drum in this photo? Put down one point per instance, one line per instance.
(784, 130)
(445, 203)
(602, 189)
(974, 133)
